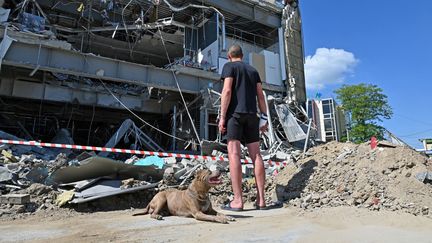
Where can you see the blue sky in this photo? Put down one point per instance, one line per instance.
(387, 43)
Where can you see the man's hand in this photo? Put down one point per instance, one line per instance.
(222, 128)
(264, 128)
(263, 123)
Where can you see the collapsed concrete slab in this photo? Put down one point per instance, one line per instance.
(95, 167)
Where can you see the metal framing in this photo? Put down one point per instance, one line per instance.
(249, 10)
(87, 65)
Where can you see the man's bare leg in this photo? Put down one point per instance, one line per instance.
(259, 172)
(235, 172)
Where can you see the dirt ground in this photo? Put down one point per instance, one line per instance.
(340, 224)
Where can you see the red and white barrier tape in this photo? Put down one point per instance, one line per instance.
(129, 151)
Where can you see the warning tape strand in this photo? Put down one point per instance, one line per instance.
(130, 151)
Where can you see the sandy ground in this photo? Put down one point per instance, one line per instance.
(341, 224)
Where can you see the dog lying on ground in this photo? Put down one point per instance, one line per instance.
(192, 202)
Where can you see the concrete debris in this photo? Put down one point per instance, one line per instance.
(345, 174)
(425, 177)
(37, 189)
(6, 175)
(386, 144)
(333, 174)
(15, 199)
(49, 98)
(38, 152)
(131, 160)
(95, 167)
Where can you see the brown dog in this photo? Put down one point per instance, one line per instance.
(192, 202)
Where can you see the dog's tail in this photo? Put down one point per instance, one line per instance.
(146, 209)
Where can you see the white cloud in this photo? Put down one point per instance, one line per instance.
(327, 67)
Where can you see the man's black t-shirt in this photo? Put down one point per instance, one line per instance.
(244, 91)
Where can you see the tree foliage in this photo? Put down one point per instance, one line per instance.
(367, 106)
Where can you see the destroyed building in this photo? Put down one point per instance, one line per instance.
(84, 67)
(329, 120)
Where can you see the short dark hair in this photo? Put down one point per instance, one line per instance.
(235, 51)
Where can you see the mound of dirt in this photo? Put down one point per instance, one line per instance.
(346, 174)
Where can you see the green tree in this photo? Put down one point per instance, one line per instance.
(367, 106)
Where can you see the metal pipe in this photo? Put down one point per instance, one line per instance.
(272, 138)
(155, 25)
(307, 138)
(174, 129)
(223, 32)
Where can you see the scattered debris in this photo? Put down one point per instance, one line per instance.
(150, 160)
(425, 177)
(95, 167)
(40, 179)
(64, 198)
(127, 128)
(333, 174)
(345, 174)
(15, 199)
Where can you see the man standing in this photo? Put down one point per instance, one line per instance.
(238, 118)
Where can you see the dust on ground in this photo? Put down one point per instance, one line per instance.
(341, 224)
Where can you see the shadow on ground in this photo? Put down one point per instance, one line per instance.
(137, 200)
(297, 183)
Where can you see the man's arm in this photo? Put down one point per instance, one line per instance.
(226, 96)
(261, 99)
(225, 101)
(263, 108)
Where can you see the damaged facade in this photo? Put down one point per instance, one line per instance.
(329, 120)
(88, 66)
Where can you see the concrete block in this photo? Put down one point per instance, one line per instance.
(170, 160)
(247, 170)
(15, 199)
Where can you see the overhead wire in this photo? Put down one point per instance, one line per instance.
(413, 120)
(176, 9)
(125, 25)
(416, 121)
(178, 87)
(134, 114)
(416, 133)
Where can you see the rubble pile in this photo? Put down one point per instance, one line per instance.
(334, 174)
(346, 174)
(85, 183)
(29, 184)
(222, 194)
(22, 177)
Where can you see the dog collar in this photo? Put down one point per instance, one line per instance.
(195, 195)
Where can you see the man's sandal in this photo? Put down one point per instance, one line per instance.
(229, 208)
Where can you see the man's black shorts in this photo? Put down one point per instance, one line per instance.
(243, 127)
